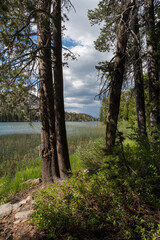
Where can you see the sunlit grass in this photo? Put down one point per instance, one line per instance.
(10, 186)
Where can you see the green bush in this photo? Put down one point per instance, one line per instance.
(92, 153)
(119, 201)
(94, 206)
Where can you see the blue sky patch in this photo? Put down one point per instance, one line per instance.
(69, 43)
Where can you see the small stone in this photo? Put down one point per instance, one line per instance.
(23, 215)
(16, 206)
(34, 181)
(22, 202)
(17, 222)
(5, 210)
(28, 199)
(33, 202)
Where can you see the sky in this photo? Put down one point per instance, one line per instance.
(80, 79)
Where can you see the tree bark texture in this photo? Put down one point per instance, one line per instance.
(50, 170)
(152, 64)
(119, 66)
(138, 76)
(62, 146)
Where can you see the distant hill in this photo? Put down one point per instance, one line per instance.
(29, 111)
(79, 117)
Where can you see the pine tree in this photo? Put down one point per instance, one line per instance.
(153, 73)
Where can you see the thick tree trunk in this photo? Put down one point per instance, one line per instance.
(138, 77)
(152, 64)
(50, 171)
(62, 147)
(116, 85)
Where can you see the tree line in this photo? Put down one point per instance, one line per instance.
(31, 40)
(131, 30)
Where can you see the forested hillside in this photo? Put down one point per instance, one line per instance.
(29, 111)
(79, 117)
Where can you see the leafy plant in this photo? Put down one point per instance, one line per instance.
(92, 153)
(119, 200)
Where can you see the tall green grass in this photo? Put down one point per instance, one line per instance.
(21, 151)
(17, 152)
(81, 135)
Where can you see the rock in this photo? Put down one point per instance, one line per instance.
(17, 221)
(28, 199)
(23, 202)
(89, 170)
(16, 206)
(5, 210)
(34, 181)
(23, 215)
(33, 203)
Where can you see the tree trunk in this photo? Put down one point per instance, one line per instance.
(138, 77)
(62, 146)
(152, 64)
(50, 171)
(116, 85)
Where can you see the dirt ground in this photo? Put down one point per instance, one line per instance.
(13, 229)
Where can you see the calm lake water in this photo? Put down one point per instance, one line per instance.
(8, 128)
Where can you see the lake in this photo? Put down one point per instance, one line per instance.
(20, 142)
(8, 128)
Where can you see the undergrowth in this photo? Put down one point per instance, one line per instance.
(119, 200)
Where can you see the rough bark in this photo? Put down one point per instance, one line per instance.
(50, 171)
(152, 64)
(138, 77)
(119, 66)
(62, 146)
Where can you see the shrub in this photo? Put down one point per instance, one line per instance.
(92, 153)
(118, 201)
(89, 207)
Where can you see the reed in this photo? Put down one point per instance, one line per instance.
(21, 151)
(17, 152)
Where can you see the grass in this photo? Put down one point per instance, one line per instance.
(17, 152)
(19, 159)
(82, 134)
(21, 151)
(10, 186)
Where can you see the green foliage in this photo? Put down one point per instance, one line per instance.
(92, 154)
(17, 105)
(105, 14)
(78, 117)
(119, 200)
(104, 110)
(80, 135)
(76, 162)
(127, 110)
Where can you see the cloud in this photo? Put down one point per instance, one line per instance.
(80, 79)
